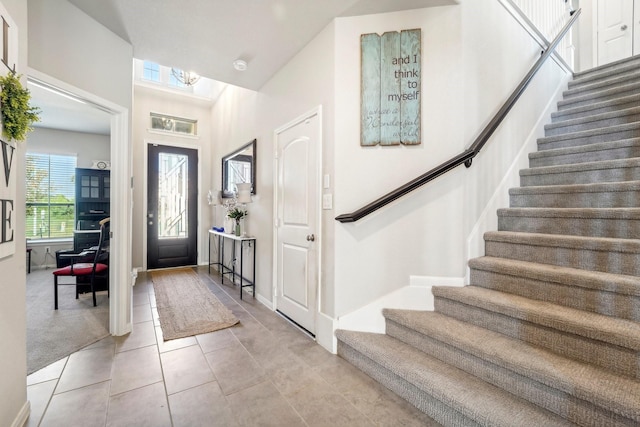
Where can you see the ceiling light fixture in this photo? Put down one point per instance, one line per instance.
(187, 78)
(240, 64)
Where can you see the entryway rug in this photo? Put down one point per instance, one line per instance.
(186, 306)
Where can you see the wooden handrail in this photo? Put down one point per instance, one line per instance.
(466, 157)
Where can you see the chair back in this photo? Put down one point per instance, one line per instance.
(102, 254)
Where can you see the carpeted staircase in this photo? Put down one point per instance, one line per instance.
(548, 332)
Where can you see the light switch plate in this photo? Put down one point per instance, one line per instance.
(327, 201)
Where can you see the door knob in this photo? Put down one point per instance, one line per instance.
(624, 27)
(311, 238)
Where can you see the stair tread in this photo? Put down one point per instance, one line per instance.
(609, 244)
(580, 167)
(617, 81)
(600, 146)
(598, 187)
(597, 280)
(574, 213)
(606, 73)
(603, 68)
(469, 395)
(614, 392)
(593, 118)
(588, 133)
(595, 106)
(610, 92)
(620, 332)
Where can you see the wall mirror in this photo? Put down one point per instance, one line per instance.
(239, 167)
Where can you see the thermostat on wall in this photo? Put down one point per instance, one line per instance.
(101, 164)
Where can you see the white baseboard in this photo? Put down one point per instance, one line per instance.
(325, 328)
(21, 418)
(262, 300)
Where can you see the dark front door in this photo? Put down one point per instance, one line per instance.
(172, 207)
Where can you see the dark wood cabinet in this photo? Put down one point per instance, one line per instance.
(93, 197)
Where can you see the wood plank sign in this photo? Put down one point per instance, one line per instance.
(8, 159)
(390, 88)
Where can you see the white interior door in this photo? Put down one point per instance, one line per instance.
(297, 228)
(615, 30)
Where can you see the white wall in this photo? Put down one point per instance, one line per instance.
(70, 46)
(419, 234)
(474, 55)
(13, 314)
(86, 146)
(240, 115)
(149, 100)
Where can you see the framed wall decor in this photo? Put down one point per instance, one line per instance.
(390, 88)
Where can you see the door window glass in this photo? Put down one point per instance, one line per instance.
(173, 186)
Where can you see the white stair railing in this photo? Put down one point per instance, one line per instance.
(544, 19)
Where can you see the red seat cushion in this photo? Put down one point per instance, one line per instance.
(80, 269)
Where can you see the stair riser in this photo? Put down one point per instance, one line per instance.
(611, 106)
(591, 227)
(559, 129)
(565, 344)
(596, 301)
(584, 258)
(616, 153)
(600, 86)
(597, 97)
(582, 177)
(607, 199)
(418, 398)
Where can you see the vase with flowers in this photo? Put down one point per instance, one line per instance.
(237, 214)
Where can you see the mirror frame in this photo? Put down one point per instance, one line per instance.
(225, 165)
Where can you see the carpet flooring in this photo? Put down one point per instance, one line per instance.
(54, 334)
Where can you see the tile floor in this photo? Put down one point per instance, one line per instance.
(261, 372)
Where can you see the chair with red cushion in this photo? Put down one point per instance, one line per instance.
(95, 265)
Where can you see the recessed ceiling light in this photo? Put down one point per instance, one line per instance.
(240, 64)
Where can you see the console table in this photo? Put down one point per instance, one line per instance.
(224, 270)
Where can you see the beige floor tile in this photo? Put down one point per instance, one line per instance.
(234, 368)
(263, 405)
(142, 313)
(164, 346)
(185, 368)
(47, 373)
(263, 371)
(201, 406)
(382, 405)
(38, 396)
(85, 368)
(216, 340)
(321, 405)
(156, 316)
(146, 406)
(140, 298)
(143, 335)
(135, 368)
(107, 341)
(86, 406)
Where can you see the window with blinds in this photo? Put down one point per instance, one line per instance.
(50, 195)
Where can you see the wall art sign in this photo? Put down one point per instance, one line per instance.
(390, 88)
(8, 157)
(7, 198)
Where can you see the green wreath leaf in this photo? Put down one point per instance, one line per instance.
(17, 114)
